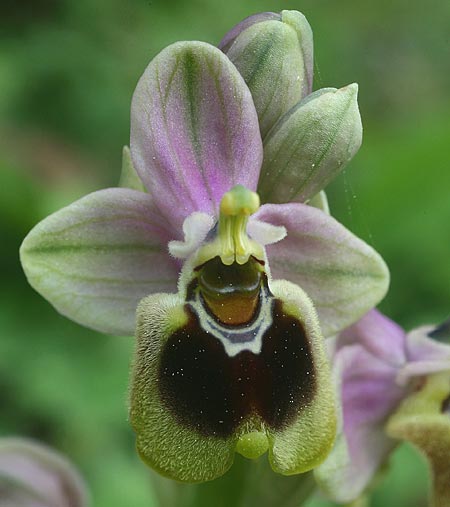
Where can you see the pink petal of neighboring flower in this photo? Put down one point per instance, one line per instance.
(368, 395)
(374, 362)
(343, 275)
(379, 335)
(36, 476)
(425, 355)
(194, 131)
(97, 258)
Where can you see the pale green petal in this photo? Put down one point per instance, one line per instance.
(342, 275)
(97, 258)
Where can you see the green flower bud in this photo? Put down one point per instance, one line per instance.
(274, 54)
(311, 143)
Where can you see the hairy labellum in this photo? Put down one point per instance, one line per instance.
(234, 361)
(216, 379)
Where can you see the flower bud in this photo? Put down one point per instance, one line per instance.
(232, 34)
(31, 474)
(310, 145)
(274, 54)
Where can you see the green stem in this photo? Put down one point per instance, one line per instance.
(248, 483)
(362, 501)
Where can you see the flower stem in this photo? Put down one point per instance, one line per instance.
(248, 483)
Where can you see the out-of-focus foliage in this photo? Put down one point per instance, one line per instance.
(67, 73)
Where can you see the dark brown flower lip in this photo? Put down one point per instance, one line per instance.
(215, 394)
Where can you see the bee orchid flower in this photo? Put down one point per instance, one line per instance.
(229, 291)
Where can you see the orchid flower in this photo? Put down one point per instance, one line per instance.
(230, 299)
(380, 368)
(31, 474)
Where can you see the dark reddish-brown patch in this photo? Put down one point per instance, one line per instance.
(213, 393)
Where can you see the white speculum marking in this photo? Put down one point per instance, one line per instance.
(236, 339)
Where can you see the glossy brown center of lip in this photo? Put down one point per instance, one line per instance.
(231, 293)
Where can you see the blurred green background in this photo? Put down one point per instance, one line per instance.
(67, 73)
